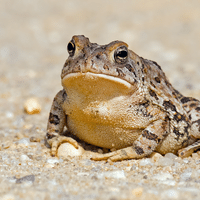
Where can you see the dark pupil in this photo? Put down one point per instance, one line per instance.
(122, 54)
(70, 47)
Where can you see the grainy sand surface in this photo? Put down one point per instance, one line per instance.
(33, 40)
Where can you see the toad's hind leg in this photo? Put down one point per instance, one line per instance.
(192, 106)
(185, 152)
(146, 143)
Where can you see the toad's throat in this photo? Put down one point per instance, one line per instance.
(96, 85)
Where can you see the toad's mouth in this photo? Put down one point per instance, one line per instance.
(96, 85)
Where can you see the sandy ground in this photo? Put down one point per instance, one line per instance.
(33, 40)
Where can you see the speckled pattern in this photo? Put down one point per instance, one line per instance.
(115, 99)
(33, 40)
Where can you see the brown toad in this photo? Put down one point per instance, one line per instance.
(112, 98)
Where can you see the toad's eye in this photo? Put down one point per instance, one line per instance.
(71, 48)
(121, 54)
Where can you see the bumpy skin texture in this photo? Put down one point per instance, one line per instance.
(113, 98)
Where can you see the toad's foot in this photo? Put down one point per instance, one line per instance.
(122, 154)
(186, 152)
(56, 141)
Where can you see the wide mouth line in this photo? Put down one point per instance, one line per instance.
(105, 76)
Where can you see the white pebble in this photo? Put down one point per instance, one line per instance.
(163, 161)
(170, 155)
(24, 141)
(9, 114)
(52, 161)
(185, 176)
(24, 158)
(112, 174)
(144, 162)
(66, 149)
(163, 176)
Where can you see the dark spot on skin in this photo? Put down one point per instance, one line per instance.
(192, 105)
(167, 83)
(197, 121)
(138, 63)
(142, 66)
(178, 117)
(187, 99)
(178, 94)
(98, 56)
(190, 117)
(143, 79)
(155, 63)
(138, 150)
(186, 129)
(197, 109)
(49, 136)
(123, 152)
(152, 84)
(185, 143)
(64, 95)
(54, 119)
(145, 104)
(129, 67)
(119, 71)
(151, 136)
(106, 67)
(177, 133)
(66, 119)
(57, 108)
(157, 79)
(83, 55)
(86, 60)
(67, 63)
(142, 108)
(168, 105)
(153, 94)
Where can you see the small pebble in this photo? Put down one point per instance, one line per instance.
(66, 149)
(24, 158)
(137, 191)
(170, 155)
(23, 141)
(185, 176)
(32, 106)
(163, 161)
(163, 176)
(155, 156)
(118, 174)
(52, 161)
(29, 178)
(34, 139)
(145, 162)
(6, 144)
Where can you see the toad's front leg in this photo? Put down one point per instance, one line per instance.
(56, 123)
(147, 142)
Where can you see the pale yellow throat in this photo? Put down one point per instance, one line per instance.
(97, 86)
(97, 106)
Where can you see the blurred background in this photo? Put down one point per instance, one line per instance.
(34, 36)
